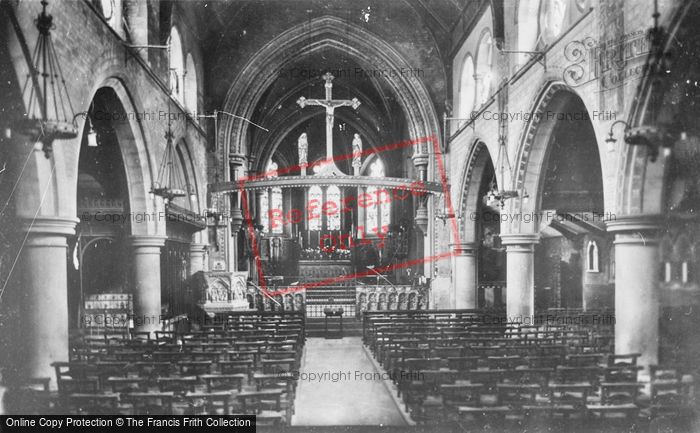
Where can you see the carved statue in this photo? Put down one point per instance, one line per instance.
(303, 146)
(357, 152)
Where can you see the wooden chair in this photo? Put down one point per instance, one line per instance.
(584, 359)
(462, 394)
(165, 336)
(285, 380)
(504, 362)
(78, 386)
(93, 404)
(488, 378)
(446, 352)
(208, 403)
(265, 405)
(178, 385)
(626, 359)
(463, 364)
(128, 384)
(569, 400)
(278, 365)
(168, 356)
(219, 382)
(588, 375)
(669, 398)
(517, 395)
(617, 399)
(153, 369)
(140, 335)
(544, 361)
(73, 370)
(195, 367)
(150, 403)
(129, 355)
(245, 366)
(539, 376)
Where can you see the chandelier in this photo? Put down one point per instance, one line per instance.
(49, 114)
(496, 197)
(170, 183)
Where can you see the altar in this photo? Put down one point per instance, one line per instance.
(324, 269)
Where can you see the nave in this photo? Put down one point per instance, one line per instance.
(442, 369)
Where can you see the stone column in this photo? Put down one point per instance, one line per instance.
(146, 272)
(636, 287)
(198, 254)
(520, 275)
(464, 274)
(41, 327)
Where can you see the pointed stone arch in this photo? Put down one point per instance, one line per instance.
(323, 33)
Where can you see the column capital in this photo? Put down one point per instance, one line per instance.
(147, 241)
(49, 225)
(198, 248)
(520, 238)
(642, 229)
(635, 223)
(520, 242)
(420, 160)
(464, 248)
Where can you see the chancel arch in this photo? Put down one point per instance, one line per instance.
(318, 34)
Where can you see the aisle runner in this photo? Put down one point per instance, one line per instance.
(338, 385)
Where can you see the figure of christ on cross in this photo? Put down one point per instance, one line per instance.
(330, 104)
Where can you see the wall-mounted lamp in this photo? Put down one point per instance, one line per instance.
(612, 140)
(653, 137)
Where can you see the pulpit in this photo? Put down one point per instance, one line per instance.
(332, 313)
(220, 292)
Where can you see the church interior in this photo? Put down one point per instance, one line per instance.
(421, 215)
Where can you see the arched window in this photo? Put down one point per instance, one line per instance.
(528, 28)
(177, 66)
(276, 203)
(593, 257)
(467, 88)
(265, 212)
(333, 210)
(378, 215)
(315, 198)
(684, 254)
(666, 254)
(271, 204)
(484, 69)
(191, 86)
(552, 19)
(112, 12)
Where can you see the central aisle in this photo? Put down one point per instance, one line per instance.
(358, 395)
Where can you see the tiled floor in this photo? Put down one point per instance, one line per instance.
(338, 385)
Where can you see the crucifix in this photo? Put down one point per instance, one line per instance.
(330, 104)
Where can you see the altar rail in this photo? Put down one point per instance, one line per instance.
(391, 298)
